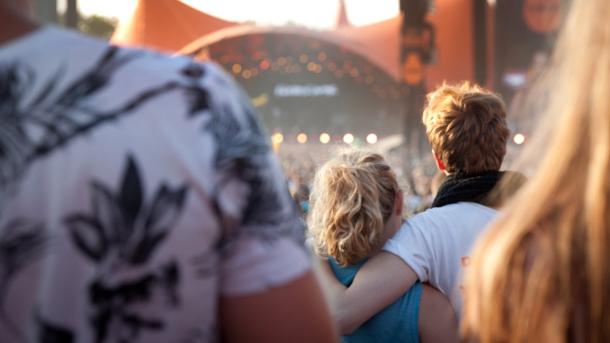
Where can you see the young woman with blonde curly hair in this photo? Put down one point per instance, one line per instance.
(542, 274)
(356, 206)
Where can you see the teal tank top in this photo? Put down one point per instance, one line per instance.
(396, 323)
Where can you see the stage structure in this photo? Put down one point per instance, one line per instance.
(417, 50)
(346, 80)
(307, 83)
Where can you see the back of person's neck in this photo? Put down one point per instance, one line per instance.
(15, 22)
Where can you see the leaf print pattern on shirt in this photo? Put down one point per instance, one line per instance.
(48, 332)
(56, 116)
(132, 284)
(243, 152)
(120, 236)
(21, 244)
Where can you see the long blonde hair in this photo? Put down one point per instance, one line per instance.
(351, 201)
(542, 274)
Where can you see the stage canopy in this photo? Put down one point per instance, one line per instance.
(304, 81)
(166, 25)
(171, 25)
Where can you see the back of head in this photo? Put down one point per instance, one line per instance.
(466, 126)
(541, 274)
(352, 199)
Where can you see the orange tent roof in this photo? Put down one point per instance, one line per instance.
(354, 44)
(166, 25)
(342, 19)
(173, 26)
(379, 42)
(452, 20)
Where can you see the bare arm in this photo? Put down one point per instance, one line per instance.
(437, 320)
(378, 284)
(295, 312)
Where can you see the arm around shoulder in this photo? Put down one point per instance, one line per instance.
(378, 284)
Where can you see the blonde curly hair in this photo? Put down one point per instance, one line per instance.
(352, 199)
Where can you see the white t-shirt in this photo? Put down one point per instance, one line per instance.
(135, 189)
(436, 244)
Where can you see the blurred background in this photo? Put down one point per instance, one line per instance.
(328, 74)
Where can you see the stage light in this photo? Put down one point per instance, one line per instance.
(277, 138)
(302, 138)
(236, 68)
(371, 138)
(519, 139)
(324, 138)
(322, 56)
(515, 79)
(348, 138)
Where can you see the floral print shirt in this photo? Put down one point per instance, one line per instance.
(135, 190)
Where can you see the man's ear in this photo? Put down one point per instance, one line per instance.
(439, 163)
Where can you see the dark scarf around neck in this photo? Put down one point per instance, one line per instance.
(469, 188)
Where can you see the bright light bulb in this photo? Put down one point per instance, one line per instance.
(324, 138)
(519, 139)
(277, 138)
(348, 138)
(302, 138)
(371, 138)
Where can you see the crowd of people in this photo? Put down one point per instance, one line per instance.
(419, 186)
(140, 201)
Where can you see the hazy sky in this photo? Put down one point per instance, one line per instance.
(312, 13)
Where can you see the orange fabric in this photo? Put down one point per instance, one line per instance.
(166, 25)
(453, 20)
(342, 20)
(379, 42)
(171, 25)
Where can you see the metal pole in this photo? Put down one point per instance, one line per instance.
(72, 16)
(480, 61)
(416, 51)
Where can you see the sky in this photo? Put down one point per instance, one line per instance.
(311, 13)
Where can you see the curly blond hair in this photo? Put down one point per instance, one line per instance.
(466, 126)
(352, 199)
